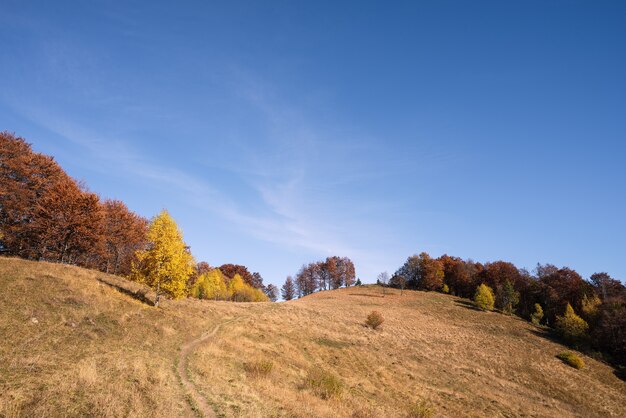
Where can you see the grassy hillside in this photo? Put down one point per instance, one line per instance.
(71, 344)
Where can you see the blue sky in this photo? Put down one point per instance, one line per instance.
(279, 133)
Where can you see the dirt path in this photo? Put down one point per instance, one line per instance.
(201, 403)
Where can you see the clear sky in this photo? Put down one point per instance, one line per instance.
(279, 133)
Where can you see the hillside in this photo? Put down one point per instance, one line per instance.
(78, 342)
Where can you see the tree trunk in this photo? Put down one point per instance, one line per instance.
(158, 294)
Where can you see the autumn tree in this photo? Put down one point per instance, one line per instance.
(606, 286)
(410, 270)
(230, 270)
(124, 234)
(288, 291)
(69, 225)
(210, 285)
(484, 298)
(272, 292)
(166, 264)
(571, 326)
(430, 273)
(307, 279)
(44, 213)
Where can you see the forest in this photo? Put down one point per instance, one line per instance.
(588, 314)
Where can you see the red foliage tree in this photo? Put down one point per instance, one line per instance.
(125, 233)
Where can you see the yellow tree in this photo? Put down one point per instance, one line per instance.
(166, 264)
(484, 298)
(210, 285)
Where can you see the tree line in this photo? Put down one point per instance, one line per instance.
(332, 273)
(555, 297)
(47, 215)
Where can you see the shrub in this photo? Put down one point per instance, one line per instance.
(571, 326)
(258, 368)
(484, 297)
(421, 409)
(324, 384)
(571, 359)
(374, 319)
(445, 288)
(537, 316)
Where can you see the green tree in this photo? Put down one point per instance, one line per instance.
(507, 298)
(166, 264)
(484, 297)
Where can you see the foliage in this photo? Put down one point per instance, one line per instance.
(324, 384)
(589, 307)
(421, 272)
(259, 368)
(358, 282)
(288, 291)
(571, 359)
(374, 319)
(210, 285)
(537, 316)
(483, 298)
(124, 234)
(243, 292)
(507, 298)
(47, 215)
(571, 326)
(421, 409)
(445, 288)
(271, 292)
(166, 264)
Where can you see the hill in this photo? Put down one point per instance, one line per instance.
(78, 342)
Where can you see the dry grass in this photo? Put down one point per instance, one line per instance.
(94, 351)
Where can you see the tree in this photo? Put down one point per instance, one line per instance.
(167, 263)
(210, 285)
(410, 270)
(560, 288)
(606, 286)
(507, 298)
(537, 315)
(26, 179)
(288, 291)
(272, 292)
(358, 282)
(571, 326)
(383, 279)
(484, 297)
(307, 279)
(124, 234)
(230, 270)
(69, 225)
(430, 273)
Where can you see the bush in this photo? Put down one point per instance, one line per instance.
(537, 316)
(571, 326)
(374, 319)
(483, 298)
(324, 384)
(258, 368)
(445, 288)
(421, 409)
(571, 359)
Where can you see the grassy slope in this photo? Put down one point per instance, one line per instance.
(95, 351)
